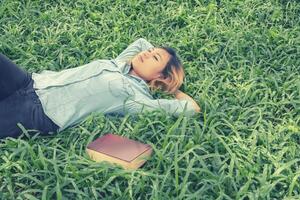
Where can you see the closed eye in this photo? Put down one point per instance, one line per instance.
(153, 56)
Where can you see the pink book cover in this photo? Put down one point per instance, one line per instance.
(118, 147)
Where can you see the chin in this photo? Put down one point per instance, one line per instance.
(136, 61)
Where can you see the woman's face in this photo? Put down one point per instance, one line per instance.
(150, 63)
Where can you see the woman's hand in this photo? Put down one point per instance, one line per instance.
(181, 95)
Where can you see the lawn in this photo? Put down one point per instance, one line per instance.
(242, 64)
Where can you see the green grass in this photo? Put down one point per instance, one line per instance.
(242, 63)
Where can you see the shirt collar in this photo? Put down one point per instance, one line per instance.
(141, 81)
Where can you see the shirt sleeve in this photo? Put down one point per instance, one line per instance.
(137, 46)
(172, 106)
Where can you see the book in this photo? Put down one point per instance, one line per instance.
(115, 149)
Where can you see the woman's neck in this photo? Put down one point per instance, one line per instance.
(131, 71)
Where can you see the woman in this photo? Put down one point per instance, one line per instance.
(52, 101)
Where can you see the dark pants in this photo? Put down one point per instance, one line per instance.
(20, 104)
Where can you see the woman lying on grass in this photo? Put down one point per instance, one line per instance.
(52, 101)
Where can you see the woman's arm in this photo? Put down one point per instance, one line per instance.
(134, 48)
(181, 95)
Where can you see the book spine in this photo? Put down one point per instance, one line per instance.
(94, 155)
